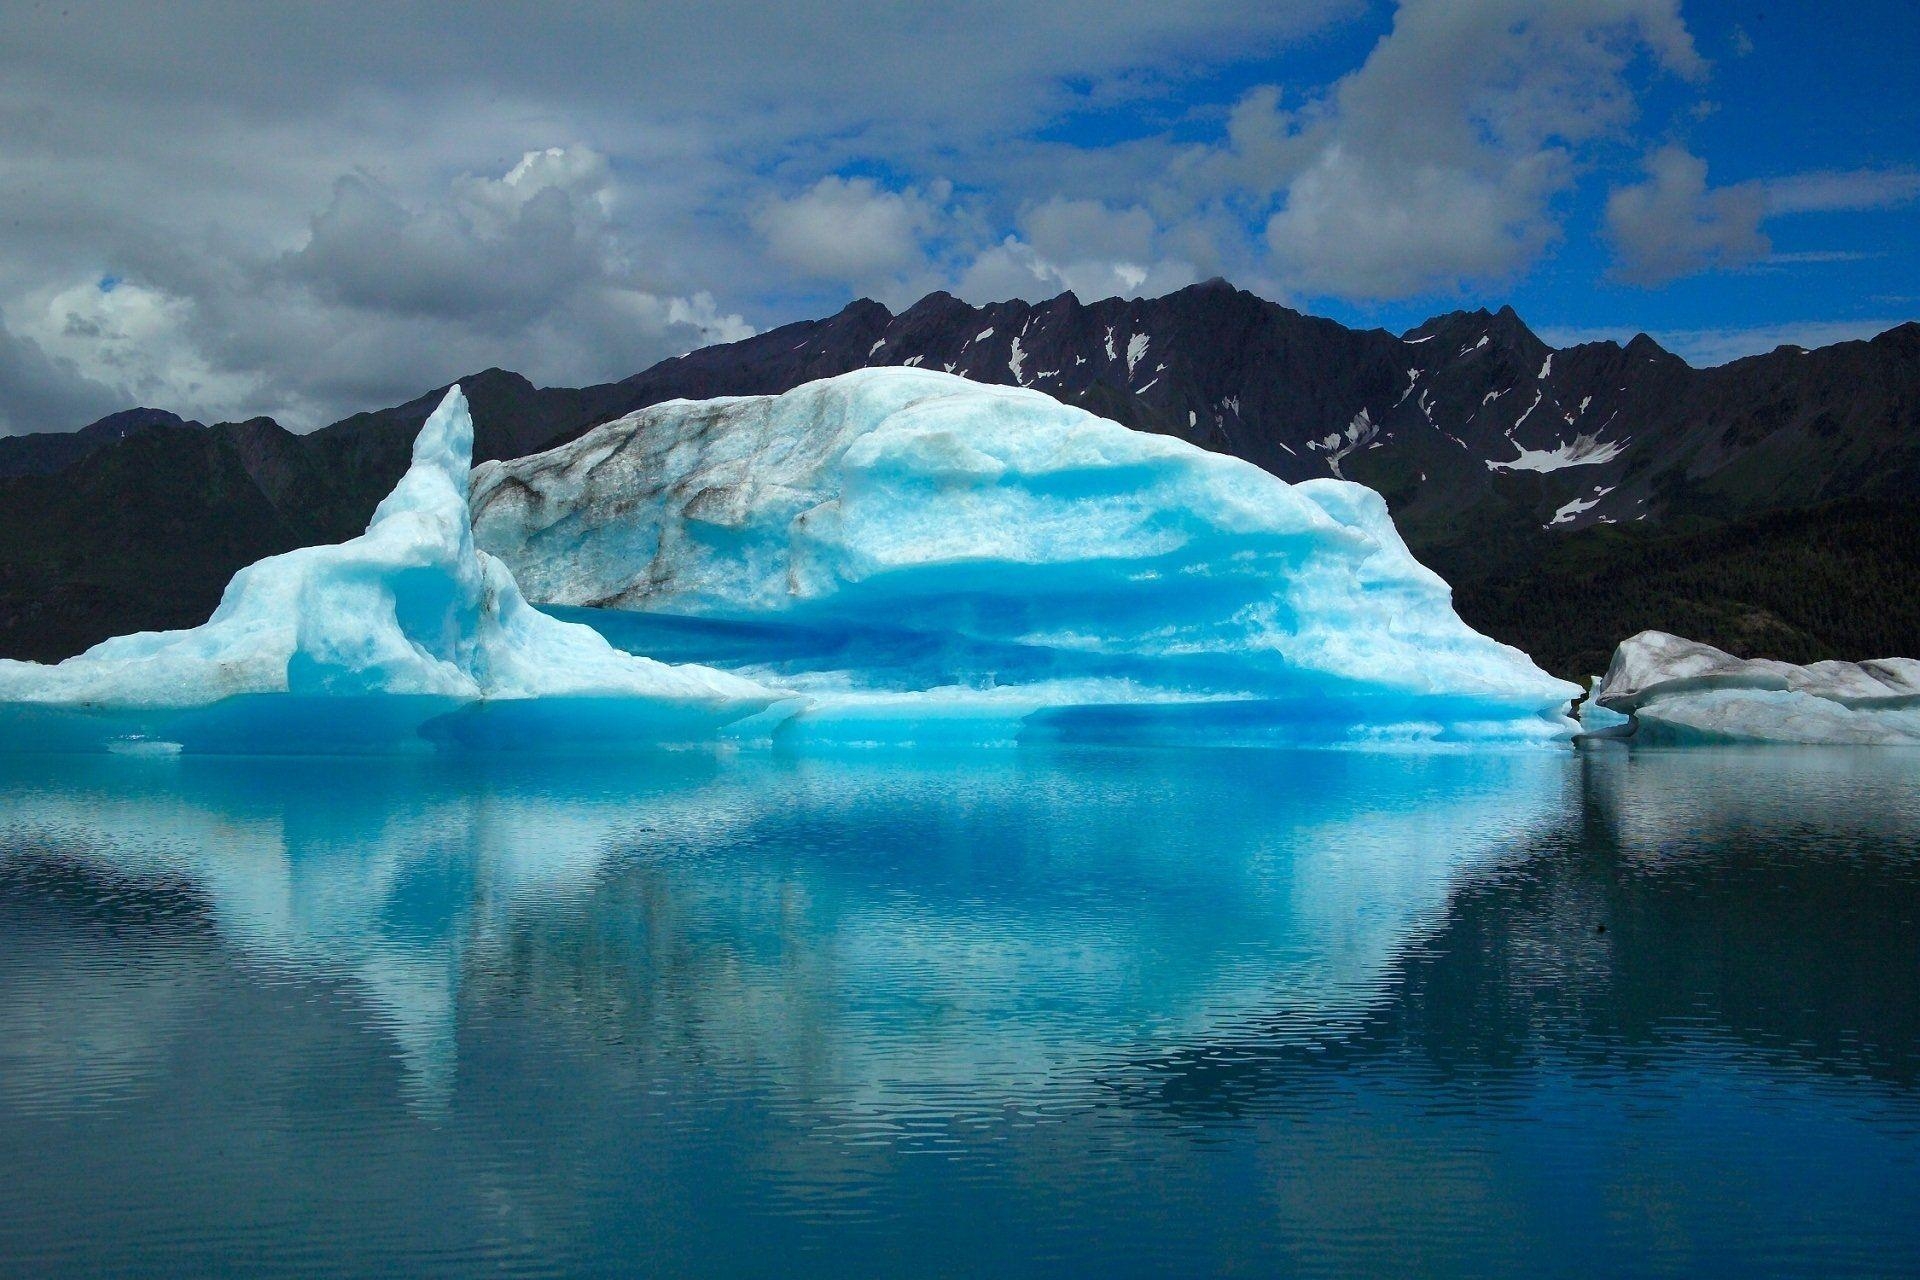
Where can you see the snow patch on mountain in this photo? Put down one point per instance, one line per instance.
(1581, 451)
(1575, 507)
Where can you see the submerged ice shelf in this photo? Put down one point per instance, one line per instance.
(404, 634)
(929, 558)
(890, 557)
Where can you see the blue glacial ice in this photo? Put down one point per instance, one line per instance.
(893, 557)
(929, 559)
(404, 635)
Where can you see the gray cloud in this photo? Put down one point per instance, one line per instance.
(1437, 161)
(852, 229)
(45, 393)
(1843, 191)
(317, 209)
(1094, 249)
(1673, 224)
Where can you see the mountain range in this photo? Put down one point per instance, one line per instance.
(1572, 496)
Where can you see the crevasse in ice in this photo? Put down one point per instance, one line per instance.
(405, 633)
(930, 558)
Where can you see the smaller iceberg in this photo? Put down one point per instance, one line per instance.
(404, 635)
(1678, 690)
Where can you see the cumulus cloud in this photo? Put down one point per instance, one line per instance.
(1674, 224)
(498, 250)
(327, 219)
(383, 296)
(852, 229)
(1437, 161)
(308, 226)
(1093, 249)
(138, 342)
(46, 392)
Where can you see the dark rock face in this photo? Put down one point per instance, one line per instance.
(1538, 481)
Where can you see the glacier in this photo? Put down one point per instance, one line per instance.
(928, 559)
(406, 635)
(1677, 690)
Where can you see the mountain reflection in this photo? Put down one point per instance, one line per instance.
(1764, 900)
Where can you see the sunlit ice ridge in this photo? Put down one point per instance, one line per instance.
(890, 557)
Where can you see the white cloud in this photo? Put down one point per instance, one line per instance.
(1356, 228)
(45, 392)
(325, 224)
(138, 341)
(1093, 249)
(851, 229)
(1842, 191)
(344, 218)
(1673, 224)
(528, 270)
(1437, 162)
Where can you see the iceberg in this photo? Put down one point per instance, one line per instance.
(1597, 721)
(1679, 690)
(928, 558)
(406, 634)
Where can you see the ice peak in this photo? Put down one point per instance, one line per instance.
(436, 480)
(409, 608)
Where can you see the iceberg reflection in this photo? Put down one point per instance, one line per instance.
(881, 927)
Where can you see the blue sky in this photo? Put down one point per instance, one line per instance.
(228, 211)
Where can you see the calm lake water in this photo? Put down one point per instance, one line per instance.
(1077, 1014)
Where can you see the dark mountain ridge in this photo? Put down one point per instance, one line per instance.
(1517, 469)
(46, 452)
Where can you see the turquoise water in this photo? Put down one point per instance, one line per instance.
(1026, 1012)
